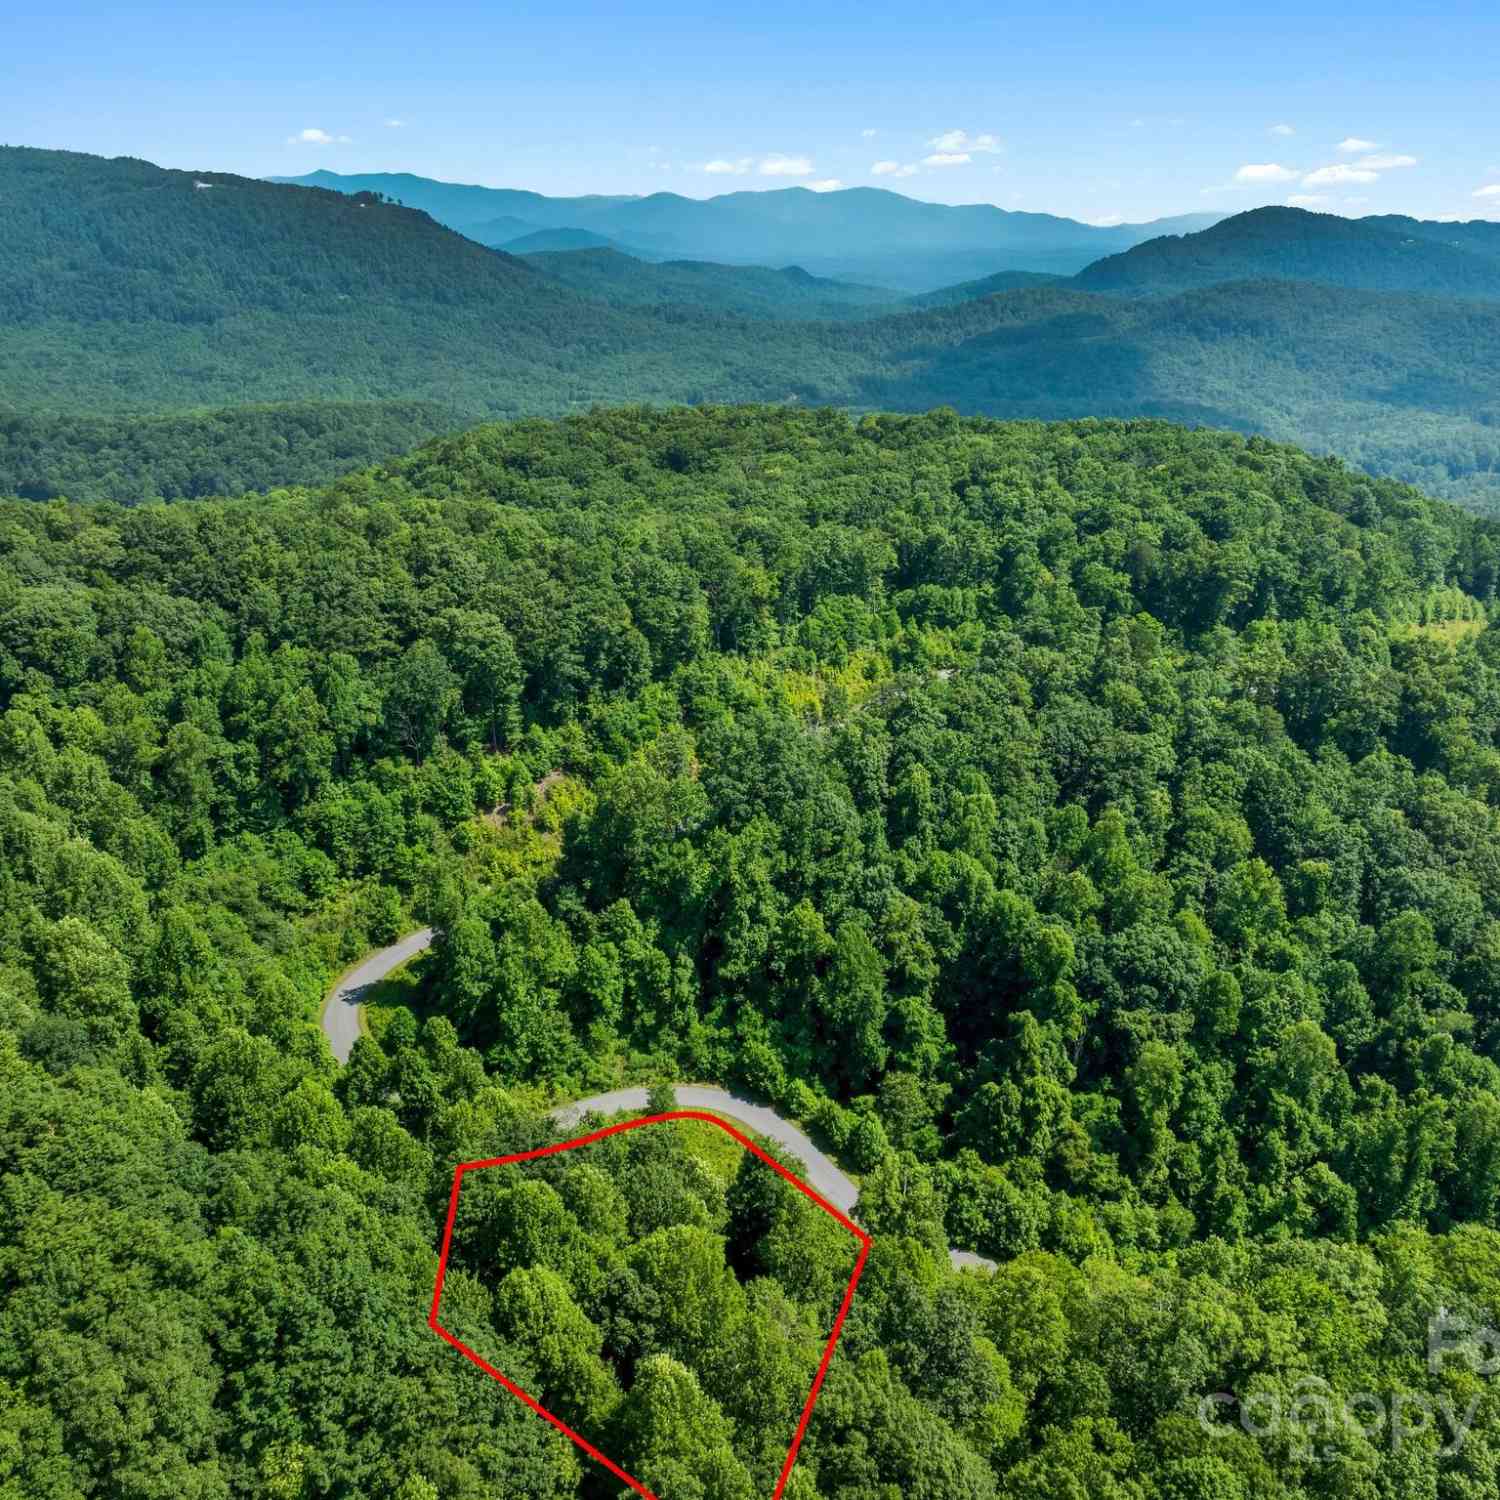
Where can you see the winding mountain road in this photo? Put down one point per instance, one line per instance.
(341, 1008)
(341, 1027)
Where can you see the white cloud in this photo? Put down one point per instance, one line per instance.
(869, 134)
(395, 124)
(1283, 130)
(1107, 221)
(947, 159)
(1385, 162)
(892, 169)
(1264, 171)
(956, 142)
(312, 136)
(777, 165)
(1492, 191)
(1306, 200)
(719, 167)
(1352, 143)
(826, 185)
(1327, 176)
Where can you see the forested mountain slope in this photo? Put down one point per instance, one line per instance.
(1292, 244)
(985, 286)
(1478, 236)
(1093, 831)
(125, 285)
(743, 291)
(1401, 384)
(129, 289)
(92, 240)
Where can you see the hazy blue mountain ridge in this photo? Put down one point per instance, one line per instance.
(868, 234)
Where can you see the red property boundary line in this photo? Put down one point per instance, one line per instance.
(598, 1135)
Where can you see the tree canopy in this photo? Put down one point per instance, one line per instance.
(1089, 831)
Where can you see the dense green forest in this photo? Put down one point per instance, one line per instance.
(188, 455)
(745, 291)
(985, 286)
(1291, 244)
(1091, 831)
(129, 291)
(1403, 385)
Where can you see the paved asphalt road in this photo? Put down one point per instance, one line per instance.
(819, 1172)
(341, 1027)
(341, 1010)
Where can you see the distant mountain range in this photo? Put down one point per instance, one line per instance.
(548, 241)
(329, 328)
(1278, 244)
(860, 234)
(500, 232)
(740, 291)
(1383, 255)
(986, 286)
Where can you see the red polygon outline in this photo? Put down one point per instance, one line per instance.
(599, 1135)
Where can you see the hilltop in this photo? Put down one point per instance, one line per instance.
(1291, 244)
(788, 293)
(986, 286)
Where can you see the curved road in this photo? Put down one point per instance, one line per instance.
(819, 1171)
(341, 1027)
(341, 1009)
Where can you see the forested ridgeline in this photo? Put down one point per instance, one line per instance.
(130, 293)
(1089, 830)
(1399, 384)
(744, 291)
(1388, 253)
(127, 288)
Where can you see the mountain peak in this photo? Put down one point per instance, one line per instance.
(1285, 243)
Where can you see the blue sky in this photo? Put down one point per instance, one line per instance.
(1099, 111)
